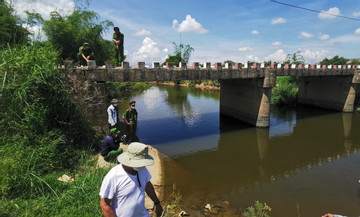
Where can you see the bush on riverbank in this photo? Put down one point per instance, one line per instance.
(122, 90)
(193, 83)
(285, 91)
(43, 131)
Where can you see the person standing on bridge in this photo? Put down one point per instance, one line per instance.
(118, 39)
(130, 117)
(85, 54)
(113, 114)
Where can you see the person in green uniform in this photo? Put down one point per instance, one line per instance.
(118, 39)
(110, 147)
(85, 54)
(130, 118)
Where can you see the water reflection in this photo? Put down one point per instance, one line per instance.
(282, 121)
(168, 114)
(177, 99)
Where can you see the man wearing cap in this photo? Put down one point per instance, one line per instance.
(85, 54)
(122, 192)
(130, 118)
(113, 114)
(110, 147)
(118, 39)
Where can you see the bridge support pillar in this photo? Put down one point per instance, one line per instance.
(247, 100)
(339, 93)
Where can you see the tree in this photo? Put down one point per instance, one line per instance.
(354, 62)
(336, 60)
(182, 53)
(68, 33)
(11, 30)
(295, 58)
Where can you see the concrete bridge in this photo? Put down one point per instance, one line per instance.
(245, 91)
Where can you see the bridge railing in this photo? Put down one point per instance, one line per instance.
(206, 71)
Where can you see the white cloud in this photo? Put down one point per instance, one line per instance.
(255, 32)
(142, 32)
(278, 20)
(305, 35)
(277, 44)
(166, 50)
(36, 31)
(148, 52)
(357, 31)
(347, 38)
(324, 37)
(356, 14)
(242, 49)
(314, 55)
(330, 14)
(253, 58)
(44, 7)
(278, 56)
(188, 25)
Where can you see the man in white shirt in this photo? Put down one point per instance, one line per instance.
(122, 192)
(113, 114)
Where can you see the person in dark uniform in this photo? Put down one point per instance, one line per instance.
(130, 117)
(118, 39)
(110, 147)
(85, 54)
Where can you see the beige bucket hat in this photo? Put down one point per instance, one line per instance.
(114, 101)
(136, 156)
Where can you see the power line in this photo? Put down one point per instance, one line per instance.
(316, 11)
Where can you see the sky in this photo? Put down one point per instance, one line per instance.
(236, 30)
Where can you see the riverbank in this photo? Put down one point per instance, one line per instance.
(202, 85)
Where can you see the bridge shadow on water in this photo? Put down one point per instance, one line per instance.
(242, 150)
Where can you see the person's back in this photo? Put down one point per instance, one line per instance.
(108, 145)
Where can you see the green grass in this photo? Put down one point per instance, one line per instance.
(79, 198)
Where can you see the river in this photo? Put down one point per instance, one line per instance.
(306, 163)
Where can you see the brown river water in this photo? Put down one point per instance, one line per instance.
(306, 163)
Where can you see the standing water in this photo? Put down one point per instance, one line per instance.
(306, 164)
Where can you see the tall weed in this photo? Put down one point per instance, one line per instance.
(43, 129)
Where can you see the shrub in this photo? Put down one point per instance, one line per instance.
(285, 91)
(258, 210)
(42, 128)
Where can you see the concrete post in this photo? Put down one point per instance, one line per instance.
(246, 100)
(69, 65)
(207, 65)
(91, 64)
(141, 65)
(156, 65)
(182, 65)
(263, 119)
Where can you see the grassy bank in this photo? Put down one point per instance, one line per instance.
(44, 135)
(205, 83)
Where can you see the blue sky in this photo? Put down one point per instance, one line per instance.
(234, 30)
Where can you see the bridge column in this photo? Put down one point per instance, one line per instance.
(339, 93)
(248, 100)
